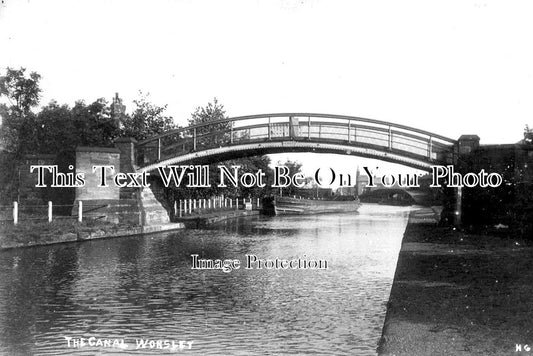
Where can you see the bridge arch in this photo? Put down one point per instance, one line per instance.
(295, 132)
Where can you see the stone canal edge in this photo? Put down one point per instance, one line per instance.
(457, 293)
(110, 231)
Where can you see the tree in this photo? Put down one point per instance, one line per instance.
(94, 124)
(294, 167)
(253, 165)
(528, 135)
(21, 92)
(54, 130)
(211, 135)
(213, 111)
(58, 128)
(146, 120)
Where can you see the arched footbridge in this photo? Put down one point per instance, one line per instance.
(253, 135)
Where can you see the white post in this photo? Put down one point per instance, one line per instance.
(194, 204)
(236, 203)
(230, 203)
(15, 212)
(204, 203)
(181, 206)
(175, 208)
(80, 211)
(257, 203)
(185, 206)
(190, 206)
(49, 211)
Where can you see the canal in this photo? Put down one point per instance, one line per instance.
(113, 296)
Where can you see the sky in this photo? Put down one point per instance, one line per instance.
(452, 68)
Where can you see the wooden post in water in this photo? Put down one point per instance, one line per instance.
(49, 211)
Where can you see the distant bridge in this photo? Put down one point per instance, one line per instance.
(253, 135)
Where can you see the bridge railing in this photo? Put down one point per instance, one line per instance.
(354, 131)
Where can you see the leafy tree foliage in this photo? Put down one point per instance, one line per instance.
(211, 112)
(294, 167)
(53, 130)
(528, 136)
(146, 120)
(212, 134)
(253, 165)
(20, 93)
(61, 128)
(94, 124)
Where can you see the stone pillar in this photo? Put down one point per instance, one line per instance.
(86, 158)
(463, 160)
(467, 144)
(126, 145)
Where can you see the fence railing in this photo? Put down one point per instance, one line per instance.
(46, 212)
(184, 207)
(355, 131)
(81, 211)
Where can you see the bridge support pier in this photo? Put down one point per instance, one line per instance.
(132, 206)
(464, 149)
(507, 205)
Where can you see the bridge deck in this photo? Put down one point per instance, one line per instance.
(260, 134)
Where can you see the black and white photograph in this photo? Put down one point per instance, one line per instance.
(283, 177)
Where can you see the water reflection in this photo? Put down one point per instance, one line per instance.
(143, 287)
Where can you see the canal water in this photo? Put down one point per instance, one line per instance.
(121, 294)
